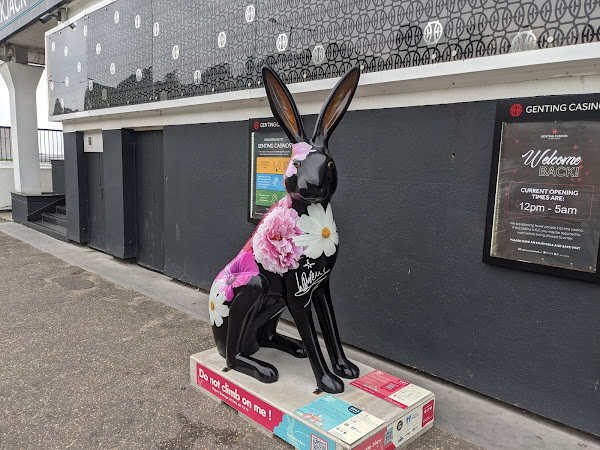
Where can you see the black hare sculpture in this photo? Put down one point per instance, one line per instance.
(288, 260)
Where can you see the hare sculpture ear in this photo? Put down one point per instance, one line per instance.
(335, 107)
(283, 106)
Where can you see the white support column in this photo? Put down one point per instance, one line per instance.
(22, 82)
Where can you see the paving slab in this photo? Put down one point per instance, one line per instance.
(87, 363)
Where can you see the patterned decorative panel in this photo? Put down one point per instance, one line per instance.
(136, 51)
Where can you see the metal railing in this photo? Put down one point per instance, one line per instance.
(50, 144)
(5, 152)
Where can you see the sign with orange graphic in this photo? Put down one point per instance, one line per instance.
(270, 153)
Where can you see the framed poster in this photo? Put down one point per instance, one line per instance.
(270, 153)
(544, 199)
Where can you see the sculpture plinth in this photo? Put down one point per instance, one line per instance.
(289, 409)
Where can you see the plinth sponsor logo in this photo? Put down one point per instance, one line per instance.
(427, 413)
(412, 417)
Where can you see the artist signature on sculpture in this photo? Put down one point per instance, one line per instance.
(308, 281)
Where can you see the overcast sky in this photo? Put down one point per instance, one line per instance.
(42, 105)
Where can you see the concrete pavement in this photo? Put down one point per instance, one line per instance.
(86, 363)
(459, 412)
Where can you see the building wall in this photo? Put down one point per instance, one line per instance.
(7, 182)
(409, 283)
(120, 53)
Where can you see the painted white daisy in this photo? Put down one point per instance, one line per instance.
(321, 233)
(217, 309)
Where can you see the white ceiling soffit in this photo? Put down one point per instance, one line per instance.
(33, 35)
(18, 15)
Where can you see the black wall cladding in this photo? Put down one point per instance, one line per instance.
(139, 51)
(409, 283)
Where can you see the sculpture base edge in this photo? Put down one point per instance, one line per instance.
(272, 406)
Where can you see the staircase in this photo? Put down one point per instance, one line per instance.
(52, 223)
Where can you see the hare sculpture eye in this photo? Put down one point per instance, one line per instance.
(330, 164)
(296, 163)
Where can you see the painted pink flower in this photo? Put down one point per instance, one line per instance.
(285, 202)
(273, 241)
(237, 273)
(299, 153)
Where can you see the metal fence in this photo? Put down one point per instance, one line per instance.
(5, 153)
(302, 40)
(50, 144)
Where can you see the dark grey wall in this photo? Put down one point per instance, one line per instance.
(58, 176)
(206, 192)
(409, 283)
(150, 189)
(120, 236)
(94, 167)
(76, 188)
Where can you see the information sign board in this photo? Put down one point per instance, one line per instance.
(270, 153)
(544, 202)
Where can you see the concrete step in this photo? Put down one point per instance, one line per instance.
(55, 218)
(61, 209)
(53, 230)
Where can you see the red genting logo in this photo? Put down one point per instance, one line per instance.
(256, 125)
(516, 110)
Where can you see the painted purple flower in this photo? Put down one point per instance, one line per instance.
(237, 273)
(299, 152)
(273, 241)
